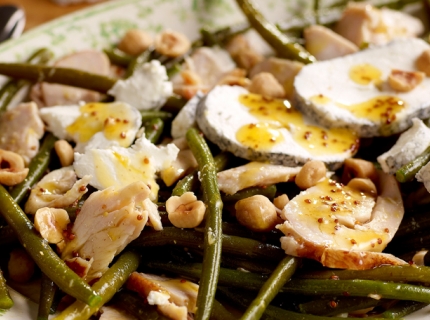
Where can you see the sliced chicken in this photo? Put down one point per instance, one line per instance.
(108, 221)
(341, 226)
(254, 174)
(154, 218)
(325, 44)
(58, 189)
(21, 130)
(173, 297)
(282, 69)
(361, 23)
(50, 94)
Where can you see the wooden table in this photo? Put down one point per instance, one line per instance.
(40, 11)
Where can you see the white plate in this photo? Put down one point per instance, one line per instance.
(102, 25)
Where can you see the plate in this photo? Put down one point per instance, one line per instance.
(102, 25)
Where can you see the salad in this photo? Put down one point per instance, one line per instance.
(163, 177)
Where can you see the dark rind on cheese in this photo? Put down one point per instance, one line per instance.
(215, 135)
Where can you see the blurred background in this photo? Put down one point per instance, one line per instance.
(40, 11)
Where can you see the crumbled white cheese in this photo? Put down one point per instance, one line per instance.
(58, 118)
(94, 125)
(98, 141)
(158, 298)
(410, 144)
(186, 118)
(148, 88)
(119, 166)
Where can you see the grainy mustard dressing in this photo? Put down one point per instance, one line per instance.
(275, 115)
(110, 118)
(365, 74)
(382, 108)
(332, 205)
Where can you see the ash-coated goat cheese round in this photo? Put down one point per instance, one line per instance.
(360, 92)
(255, 128)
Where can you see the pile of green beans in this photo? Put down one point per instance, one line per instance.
(223, 257)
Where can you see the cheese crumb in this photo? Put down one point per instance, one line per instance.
(148, 88)
(158, 298)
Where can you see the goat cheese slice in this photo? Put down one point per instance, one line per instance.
(410, 145)
(186, 117)
(263, 130)
(352, 91)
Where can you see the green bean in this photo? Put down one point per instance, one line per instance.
(219, 312)
(189, 181)
(174, 104)
(118, 57)
(137, 62)
(408, 171)
(338, 305)
(273, 312)
(6, 301)
(221, 36)
(402, 309)
(186, 184)
(60, 75)
(42, 254)
(405, 273)
(213, 218)
(227, 277)
(172, 68)
(279, 41)
(135, 305)
(208, 38)
(153, 129)
(234, 229)
(317, 11)
(268, 191)
(248, 265)
(149, 115)
(12, 87)
(359, 288)
(109, 283)
(48, 289)
(37, 168)
(240, 247)
(271, 287)
(355, 288)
